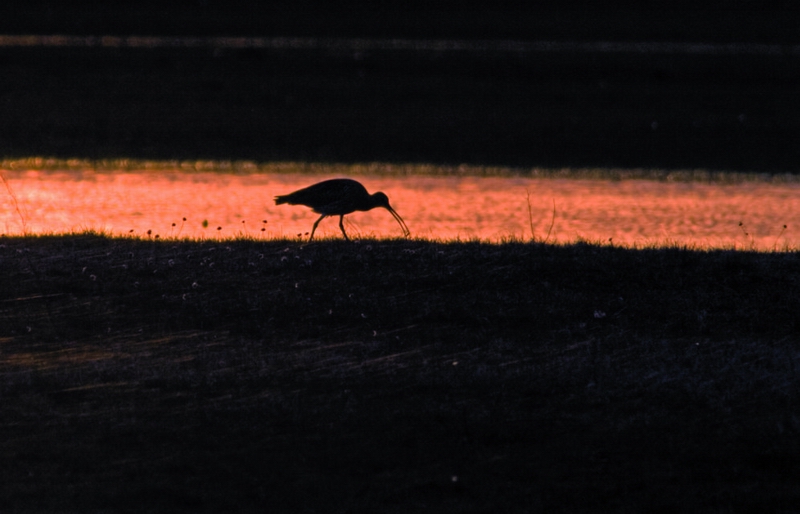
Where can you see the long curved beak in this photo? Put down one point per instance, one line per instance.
(402, 223)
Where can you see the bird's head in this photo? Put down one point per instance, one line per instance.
(379, 199)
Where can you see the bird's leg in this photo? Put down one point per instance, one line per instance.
(315, 227)
(341, 226)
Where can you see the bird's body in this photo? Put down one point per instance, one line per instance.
(338, 197)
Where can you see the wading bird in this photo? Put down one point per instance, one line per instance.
(338, 197)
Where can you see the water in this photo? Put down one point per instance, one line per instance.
(216, 205)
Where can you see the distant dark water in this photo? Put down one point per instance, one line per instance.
(538, 102)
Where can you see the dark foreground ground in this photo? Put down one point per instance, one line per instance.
(395, 376)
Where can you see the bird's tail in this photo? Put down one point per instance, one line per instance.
(281, 199)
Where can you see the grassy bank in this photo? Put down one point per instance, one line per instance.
(388, 376)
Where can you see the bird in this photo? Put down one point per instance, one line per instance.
(338, 197)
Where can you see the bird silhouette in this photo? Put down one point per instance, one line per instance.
(338, 197)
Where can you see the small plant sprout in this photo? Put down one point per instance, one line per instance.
(530, 212)
(552, 222)
(775, 244)
(15, 201)
(530, 218)
(747, 234)
(183, 222)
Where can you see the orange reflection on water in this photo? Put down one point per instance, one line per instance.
(636, 212)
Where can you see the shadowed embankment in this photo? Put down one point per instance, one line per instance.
(393, 375)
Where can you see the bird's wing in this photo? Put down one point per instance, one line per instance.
(327, 197)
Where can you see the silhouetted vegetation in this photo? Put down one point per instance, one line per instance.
(392, 375)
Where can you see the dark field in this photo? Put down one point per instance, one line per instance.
(391, 376)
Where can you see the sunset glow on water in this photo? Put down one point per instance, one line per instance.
(220, 205)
